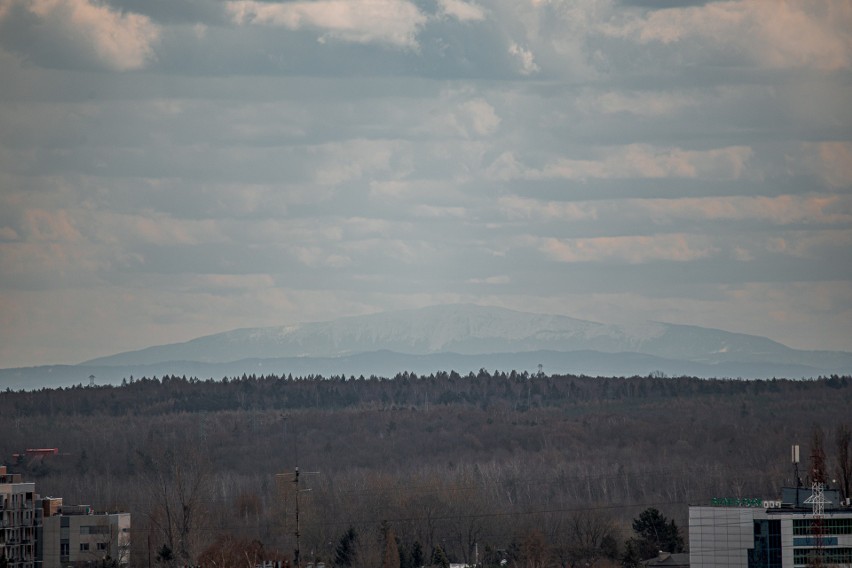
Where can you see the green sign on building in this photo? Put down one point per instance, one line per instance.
(736, 502)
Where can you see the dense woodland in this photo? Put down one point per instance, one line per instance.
(535, 470)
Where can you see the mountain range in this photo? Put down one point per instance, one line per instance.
(461, 337)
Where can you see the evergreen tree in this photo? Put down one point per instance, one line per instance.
(656, 533)
(404, 556)
(165, 555)
(491, 558)
(344, 554)
(417, 558)
(83, 463)
(630, 558)
(439, 558)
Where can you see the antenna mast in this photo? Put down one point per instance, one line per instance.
(795, 457)
(297, 561)
(817, 499)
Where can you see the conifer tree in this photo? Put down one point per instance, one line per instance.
(630, 558)
(417, 558)
(655, 533)
(439, 558)
(344, 554)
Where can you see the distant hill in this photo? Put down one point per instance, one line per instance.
(453, 337)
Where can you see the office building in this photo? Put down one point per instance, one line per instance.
(794, 531)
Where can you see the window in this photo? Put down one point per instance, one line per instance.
(767, 545)
(64, 549)
(84, 546)
(804, 556)
(830, 526)
(94, 529)
(102, 546)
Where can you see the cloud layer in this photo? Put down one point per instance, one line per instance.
(393, 22)
(78, 33)
(171, 169)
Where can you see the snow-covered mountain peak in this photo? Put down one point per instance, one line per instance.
(465, 329)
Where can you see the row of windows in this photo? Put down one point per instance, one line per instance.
(804, 556)
(829, 526)
(94, 529)
(84, 546)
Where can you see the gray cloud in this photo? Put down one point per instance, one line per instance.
(77, 33)
(229, 165)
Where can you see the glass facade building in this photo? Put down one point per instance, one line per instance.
(768, 534)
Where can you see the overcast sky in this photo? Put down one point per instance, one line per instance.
(175, 168)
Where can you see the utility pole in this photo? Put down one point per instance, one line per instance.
(296, 556)
(297, 561)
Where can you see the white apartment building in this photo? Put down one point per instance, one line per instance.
(20, 516)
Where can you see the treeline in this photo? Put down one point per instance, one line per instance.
(535, 470)
(522, 391)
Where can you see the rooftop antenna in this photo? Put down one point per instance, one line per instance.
(297, 560)
(817, 499)
(794, 452)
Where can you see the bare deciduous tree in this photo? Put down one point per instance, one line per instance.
(229, 552)
(587, 538)
(179, 485)
(843, 441)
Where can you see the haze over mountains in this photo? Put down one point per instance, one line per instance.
(463, 338)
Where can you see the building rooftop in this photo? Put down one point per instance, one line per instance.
(669, 559)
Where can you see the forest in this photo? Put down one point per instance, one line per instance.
(529, 470)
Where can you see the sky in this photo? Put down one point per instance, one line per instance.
(176, 168)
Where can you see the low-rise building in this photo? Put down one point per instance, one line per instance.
(669, 560)
(78, 536)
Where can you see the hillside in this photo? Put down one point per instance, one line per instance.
(467, 330)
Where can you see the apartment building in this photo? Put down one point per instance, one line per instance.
(20, 517)
(44, 533)
(78, 536)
